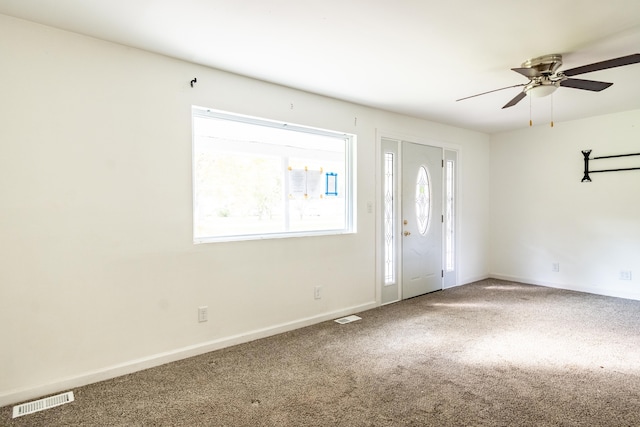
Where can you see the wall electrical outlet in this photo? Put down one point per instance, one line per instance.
(203, 313)
(625, 275)
(317, 292)
(555, 267)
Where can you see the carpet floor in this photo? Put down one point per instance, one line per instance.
(491, 353)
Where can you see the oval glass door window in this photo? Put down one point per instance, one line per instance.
(423, 200)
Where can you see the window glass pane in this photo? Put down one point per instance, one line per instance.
(255, 178)
(423, 200)
(389, 221)
(449, 214)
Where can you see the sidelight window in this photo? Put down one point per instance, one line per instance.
(389, 220)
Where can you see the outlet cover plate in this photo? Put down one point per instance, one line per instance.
(203, 314)
(625, 275)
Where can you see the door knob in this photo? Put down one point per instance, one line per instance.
(406, 233)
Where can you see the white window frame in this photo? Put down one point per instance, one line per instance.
(349, 178)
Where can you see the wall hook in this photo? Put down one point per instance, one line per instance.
(193, 81)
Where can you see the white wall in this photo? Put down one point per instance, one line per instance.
(541, 212)
(98, 273)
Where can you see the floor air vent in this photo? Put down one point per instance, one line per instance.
(42, 404)
(347, 319)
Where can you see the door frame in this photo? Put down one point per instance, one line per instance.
(398, 137)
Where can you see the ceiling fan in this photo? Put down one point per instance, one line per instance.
(544, 77)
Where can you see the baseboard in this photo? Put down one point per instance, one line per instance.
(17, 396)
(617, 293)
(526, 281)
(473, 279)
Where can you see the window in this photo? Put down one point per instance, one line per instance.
(449, 229)
(389, 220)
(423, 200)
(254, 179)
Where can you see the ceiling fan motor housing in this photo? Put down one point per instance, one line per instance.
(544, 81)
(545, 65)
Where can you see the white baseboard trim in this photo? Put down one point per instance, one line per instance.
(473, 279)
(634, 295)
(20, 395)
(467, 280)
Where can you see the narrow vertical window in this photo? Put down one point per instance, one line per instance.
(389, 222)
(423, 200)
(449, 242)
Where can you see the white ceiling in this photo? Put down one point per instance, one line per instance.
(414, 57)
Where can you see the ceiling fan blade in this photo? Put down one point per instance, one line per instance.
(527, 72)
(585, 84)
(515, 100)
(611, 63)
(491, 91)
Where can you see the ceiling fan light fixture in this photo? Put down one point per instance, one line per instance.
(542, 90)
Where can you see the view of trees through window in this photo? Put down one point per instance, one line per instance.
(256, 179)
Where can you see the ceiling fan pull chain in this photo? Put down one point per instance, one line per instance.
(530, 121)
(551, 97)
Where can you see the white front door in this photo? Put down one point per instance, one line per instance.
(421, 219)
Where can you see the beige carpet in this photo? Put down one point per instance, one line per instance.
(491, 353)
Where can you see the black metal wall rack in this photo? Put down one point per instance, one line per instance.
(587, 153)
